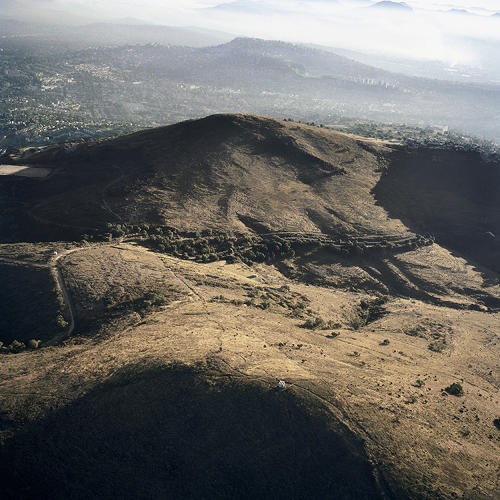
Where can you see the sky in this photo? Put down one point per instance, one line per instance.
(427, 33)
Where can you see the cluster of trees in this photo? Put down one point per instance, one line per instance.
(211, 245)
(150, 301)
(202, 246)
(219, 246)
(16, 346)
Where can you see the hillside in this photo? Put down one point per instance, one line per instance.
(230, 172)
(246, 176)
(175, 275)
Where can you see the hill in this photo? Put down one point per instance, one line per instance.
(111, 34)
(235, 173)
(174, 276)
(393, 6)
(259, 177)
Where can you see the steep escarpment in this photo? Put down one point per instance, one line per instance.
(451, 194)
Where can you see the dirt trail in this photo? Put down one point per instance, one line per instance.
(67, 301)
(52, 266)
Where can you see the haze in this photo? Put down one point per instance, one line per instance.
(428, 32)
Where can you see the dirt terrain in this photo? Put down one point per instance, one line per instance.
(23, 171)
(389, 394)
(386, 336)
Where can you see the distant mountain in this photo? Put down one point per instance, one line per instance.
(299, 59)
(128, 32)
(243, 6)
(156, 84)
(462, 12)
(397, 6)
(131, 21)
(120, 34)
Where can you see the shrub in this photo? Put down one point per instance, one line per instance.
(317, 323)
(61, 322)
(412, 398)
(385, 342)
(34, 344)
(333, 335)
(16, 346)
(438, 346)
(455, 389)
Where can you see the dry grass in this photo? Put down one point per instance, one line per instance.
(437, 324)
(369, 392)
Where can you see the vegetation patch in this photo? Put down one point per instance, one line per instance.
(319, 323)
(432, 331)
(280, 299)
(455, 389)
(437, 346)
(15, 346)
(151, 301)
(367, 312)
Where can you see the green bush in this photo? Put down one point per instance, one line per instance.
(455, 389)
(61, 322)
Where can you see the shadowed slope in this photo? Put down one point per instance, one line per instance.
(451, 194)
(172, 433)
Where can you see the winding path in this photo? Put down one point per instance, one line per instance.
(67, 300)
(52, 266)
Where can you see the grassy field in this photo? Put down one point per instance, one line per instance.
(240, 324)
